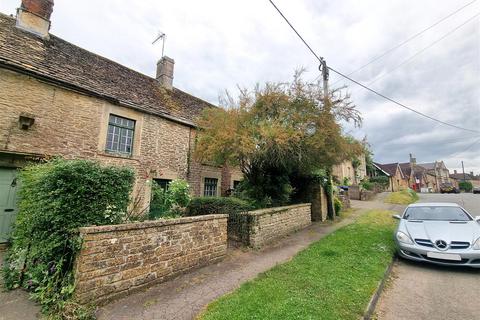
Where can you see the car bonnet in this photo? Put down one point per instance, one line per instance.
(467, 231)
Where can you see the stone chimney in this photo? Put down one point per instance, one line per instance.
(454, 171)
(34, 16)
(413, 161)
(165, 72)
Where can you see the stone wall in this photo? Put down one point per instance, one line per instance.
(120, 259)
(260, 227)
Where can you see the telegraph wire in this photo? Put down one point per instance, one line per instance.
(321, 60)
(423, 50)
(401, 44)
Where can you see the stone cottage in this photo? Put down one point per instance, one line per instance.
(350, 172)
(59, 99)
(396, 177)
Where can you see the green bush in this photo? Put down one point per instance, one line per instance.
(466, 186)
(380, 180)
(367, 185)
(338, 205)
(56, 198)
(217, 205)
(171, 202)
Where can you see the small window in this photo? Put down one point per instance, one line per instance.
(210, 187)
(163, 183)
(236, 183)
(120, 135)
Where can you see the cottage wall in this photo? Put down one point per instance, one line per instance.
(74, 125)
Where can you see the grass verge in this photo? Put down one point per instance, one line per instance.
(406, 196)
(333, 278)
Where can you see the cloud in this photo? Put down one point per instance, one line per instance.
(219, 44)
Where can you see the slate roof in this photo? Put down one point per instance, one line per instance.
(68, 65)
(428, 166)
(390, 168)
(459, 176)
(406, 168)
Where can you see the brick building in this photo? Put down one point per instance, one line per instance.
(59, 99)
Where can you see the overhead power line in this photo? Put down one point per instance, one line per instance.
(466, 149)
(424, 49)
(416, 35)
(321, 60)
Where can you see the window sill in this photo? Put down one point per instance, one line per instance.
(118, 155)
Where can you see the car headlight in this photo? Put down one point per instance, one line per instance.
(404, 238)
(476, 245)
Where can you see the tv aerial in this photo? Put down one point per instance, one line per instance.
(161, 36)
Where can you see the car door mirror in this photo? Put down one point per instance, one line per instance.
(477, 218)
(396, 216)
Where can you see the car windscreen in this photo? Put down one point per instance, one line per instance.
(436, 213)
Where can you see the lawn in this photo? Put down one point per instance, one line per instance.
(406, 196)
(333, 278)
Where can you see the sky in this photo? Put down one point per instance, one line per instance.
(219, 45)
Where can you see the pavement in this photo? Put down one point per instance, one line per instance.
(16, 304)
(423, 291)
(185, 296)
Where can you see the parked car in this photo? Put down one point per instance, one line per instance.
(476, 190)
(448, 188)
(440, 233)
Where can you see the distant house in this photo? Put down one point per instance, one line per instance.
(426, 177)
(350, 172)
(471, 177)
(394, 172)
(437, 174)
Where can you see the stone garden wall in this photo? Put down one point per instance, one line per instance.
(257, 228)
(117, 260)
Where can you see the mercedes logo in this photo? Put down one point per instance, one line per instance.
(441, 245)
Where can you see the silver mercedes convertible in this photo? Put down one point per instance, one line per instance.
(441, 233)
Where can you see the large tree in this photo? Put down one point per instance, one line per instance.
(277, 130)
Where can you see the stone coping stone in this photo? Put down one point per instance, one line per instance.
(274, 210)
(149, 224)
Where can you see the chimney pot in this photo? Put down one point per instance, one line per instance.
(34, 16)
(165, 72)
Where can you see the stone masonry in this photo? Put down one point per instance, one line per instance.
(260, 227)
(117, 260)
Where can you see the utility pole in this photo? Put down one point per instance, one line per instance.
(463, 170)
(330, 206)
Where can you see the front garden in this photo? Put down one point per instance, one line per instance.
(334, 278)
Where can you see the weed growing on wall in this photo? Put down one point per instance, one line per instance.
(56, 198)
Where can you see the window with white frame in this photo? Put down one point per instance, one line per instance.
(120, 135)
(210, 187)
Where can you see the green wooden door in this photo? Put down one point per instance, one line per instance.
(8, 201)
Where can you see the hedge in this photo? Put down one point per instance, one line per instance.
(56, 198)
(217, 205)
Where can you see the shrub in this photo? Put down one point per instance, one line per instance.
(380, 180)
(56, 198)
(466, 186)
(405, 196)
(338, 205)
(367, 185)
(171, 202)
(217, 205)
